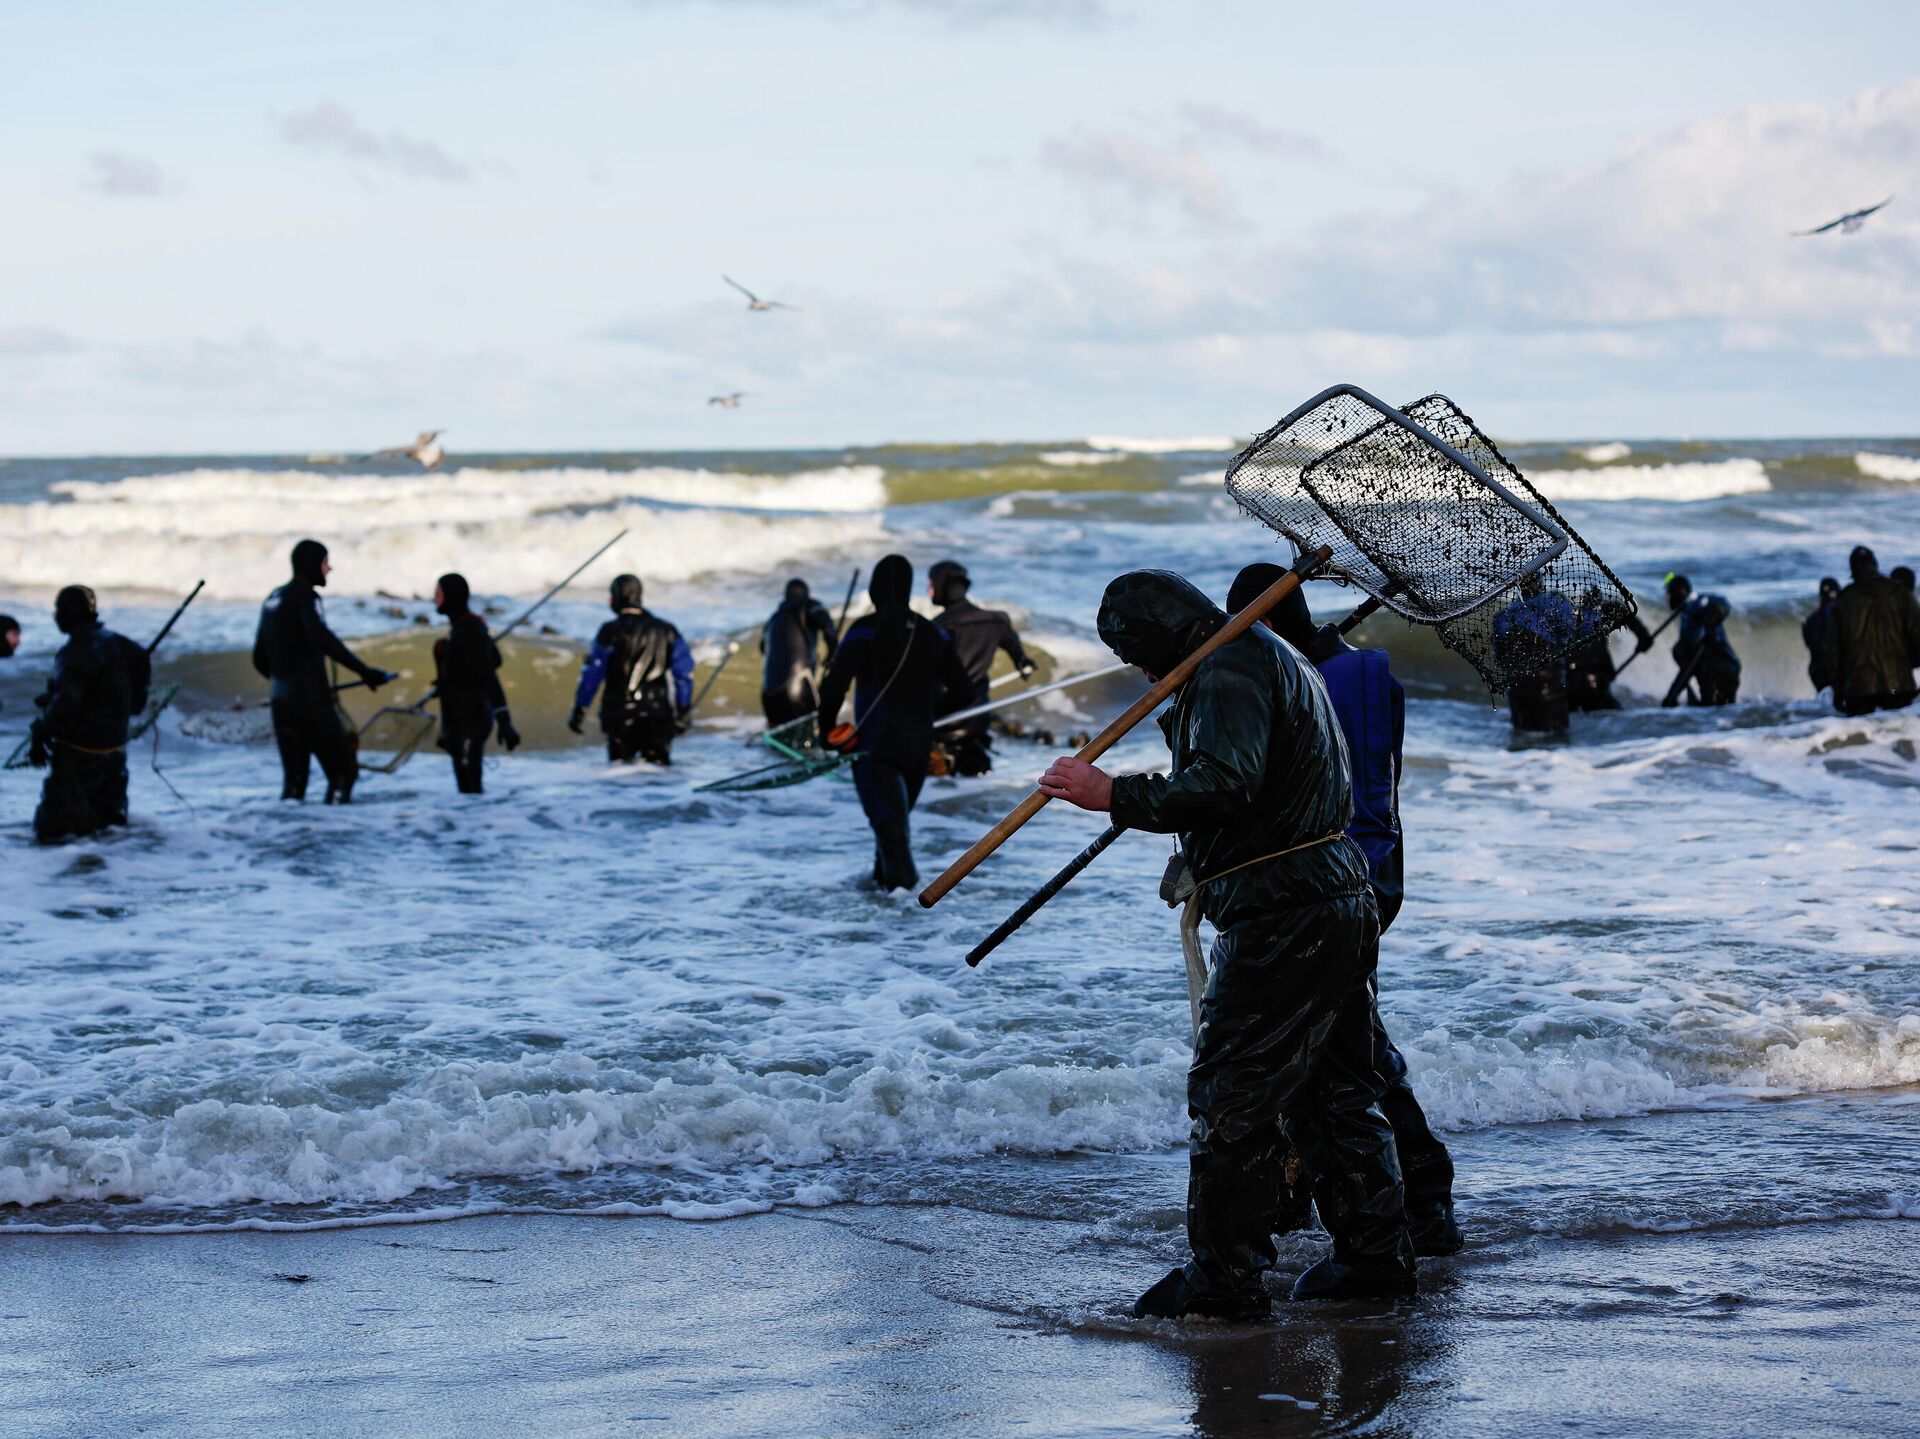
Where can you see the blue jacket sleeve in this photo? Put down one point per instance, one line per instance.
(682, 673)
(592, 670)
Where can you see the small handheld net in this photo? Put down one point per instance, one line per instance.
(395, 734)
(1425, 514)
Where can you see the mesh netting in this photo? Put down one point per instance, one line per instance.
(1571, 602)
(396, 733)
(1411, 521)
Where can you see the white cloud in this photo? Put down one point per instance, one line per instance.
(1147, 174)
(27, 342)
(330, 127)
(115, 172)
(1219, 123)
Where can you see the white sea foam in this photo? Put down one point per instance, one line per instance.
(1071, 458)
(511, 531)
(1887, 467)
(1155, 445)
(1697, 480)
(1606, 454)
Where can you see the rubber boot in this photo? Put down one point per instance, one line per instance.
(1174, 1297)
(1436, 1233)
(1335, 1278)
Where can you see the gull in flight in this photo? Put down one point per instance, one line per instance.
(754, 302)
(425, 450)
(728, 402)
(1849, 222)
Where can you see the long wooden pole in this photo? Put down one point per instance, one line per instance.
(1110, 736)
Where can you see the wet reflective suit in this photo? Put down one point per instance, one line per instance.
(1284, 1052)
(648, 671)
(466, 676)
(1873, 644)
(977, 636)
(1536, 625)
(99, 683)
(790, 640)
(291, 648)
(903, 673)
(1703, 648)
(1590, 670)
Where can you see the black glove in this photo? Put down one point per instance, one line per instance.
(577, 720)
(683, 719)
(375, 678)
(1645, 643)
(509, 736)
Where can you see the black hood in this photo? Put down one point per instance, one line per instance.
(892, 582)
(307, 556)
(1291, 618)
(1155, 619)
(1863, 562)
(949, 581)
(625, 592)
(455, 596)
(798, 592)
(8, 624)
(75, 609)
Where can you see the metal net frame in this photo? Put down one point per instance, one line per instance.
(398, 733)
(1569, 603)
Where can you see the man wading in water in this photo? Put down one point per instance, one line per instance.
(1260, 799)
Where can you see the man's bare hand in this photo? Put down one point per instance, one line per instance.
(1078, 783)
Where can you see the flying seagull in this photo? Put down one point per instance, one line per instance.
(728, 402)
(754, 302)
(1847, 223)
(426, 450)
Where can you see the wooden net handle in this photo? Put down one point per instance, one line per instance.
(1110, 736)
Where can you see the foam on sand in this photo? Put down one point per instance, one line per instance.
(1888, 467)
(1697, 480)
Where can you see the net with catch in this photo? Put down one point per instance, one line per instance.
(1437, 531)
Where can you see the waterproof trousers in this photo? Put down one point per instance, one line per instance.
(1854, 706)
(1719, 684)
(307, 732)
(83, 794)
(798, 698)
(887, 793)
(1426, 1168)
(1538, 704)
(1284, 1055)
(647, 737)
(469, 749)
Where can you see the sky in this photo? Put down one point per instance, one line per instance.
(278, 229)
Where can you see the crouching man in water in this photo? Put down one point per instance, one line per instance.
(1260, 799)
(99, 683)
(466, 675)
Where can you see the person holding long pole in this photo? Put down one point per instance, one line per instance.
(99, 683)
(1259, 795)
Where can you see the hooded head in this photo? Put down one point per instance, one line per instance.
(75, 609)
(797, 591)
(1902, 576)
(1829, 589)
(310, 562)
(949, 583)
(1155, 619)
(1862, 563)
(1290, 619)
(625, 592)
(9, 636)
(892, 583)
(453, 597)
(1678, 588)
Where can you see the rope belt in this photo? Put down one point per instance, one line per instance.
(1190, 921)
(87, 749)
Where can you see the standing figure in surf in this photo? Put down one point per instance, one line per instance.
(99, 684)
(903, 671)
(1371, 708)
(1258, 793)
(648, 672)
(1873, 643)
(791, 640)
(466, 676)
(1814, 630)
(977, 636)
(1529, 636)
(291, 648)
(1590, 669)
(9, 637)
(1702, 650)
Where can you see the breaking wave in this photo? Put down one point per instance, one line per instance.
(1606, 454)
(1680, 482)
(1887, 467)
(1152, 445)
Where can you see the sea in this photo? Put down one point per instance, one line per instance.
(601, 990)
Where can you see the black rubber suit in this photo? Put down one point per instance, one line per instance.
(466, 676)
(1284, 1052)
(791, 640)
(648, 671)
(99, 683)
(977, 636)
(906, 673)
(1590, 670)
(291, 648)
(1873, 643)
(1813, 632)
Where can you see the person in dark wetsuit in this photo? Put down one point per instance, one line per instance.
(1701, 650)
(99, 683)
(648, 671)
(791, 640)
(977, 636)
(906, 674)
(1371, 708)
(1873, 644)
(291, 648)
(1259, 795)
(1590, 669)
(9, 636)
(466, 676)
(1813, 632)
(1902, 575)
(1537, 623)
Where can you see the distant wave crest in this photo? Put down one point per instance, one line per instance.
(1700, 480)
(1887, 467)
